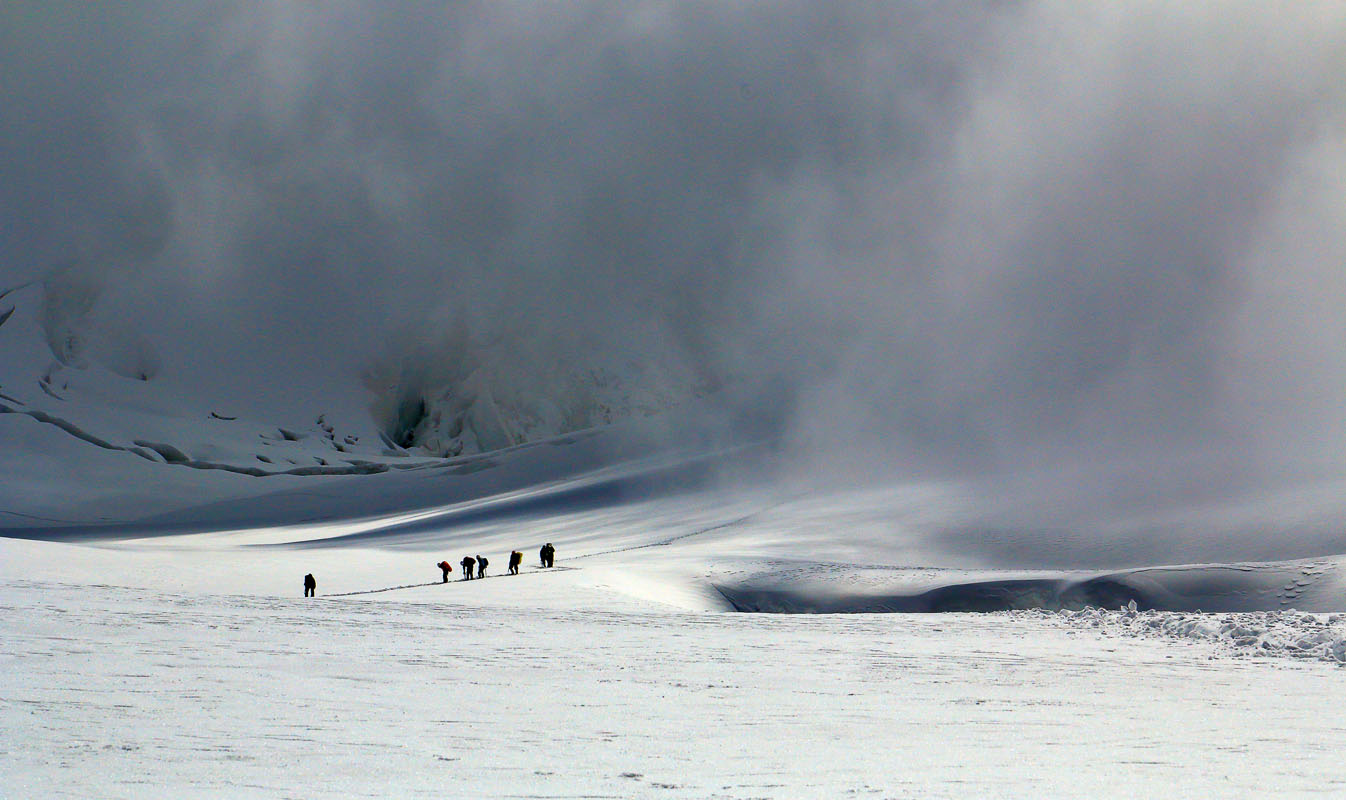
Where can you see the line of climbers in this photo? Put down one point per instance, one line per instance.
(547, 555)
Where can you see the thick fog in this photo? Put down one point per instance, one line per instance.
(909, 234)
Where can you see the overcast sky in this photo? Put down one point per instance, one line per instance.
(949, 231)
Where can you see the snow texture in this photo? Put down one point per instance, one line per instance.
(1290, 634)
(489, 689)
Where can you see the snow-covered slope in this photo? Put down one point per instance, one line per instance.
(192, 666)
(88, 442)
(92, 452)
(99, 379)
(154, 536)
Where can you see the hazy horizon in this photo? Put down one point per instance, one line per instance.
(978, 235)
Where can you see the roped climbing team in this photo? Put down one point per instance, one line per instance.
(547, 555)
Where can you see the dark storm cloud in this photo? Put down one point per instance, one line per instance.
(953, 230)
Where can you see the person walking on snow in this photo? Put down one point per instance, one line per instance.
(310, 586)
(468, 561)
(515, 559)
(548, 555)
(446, 568)
(481, 566)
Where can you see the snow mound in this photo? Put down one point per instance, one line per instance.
(1315, 584)
(1294, 634)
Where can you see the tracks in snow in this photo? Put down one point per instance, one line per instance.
(457, 581)
(538, 570)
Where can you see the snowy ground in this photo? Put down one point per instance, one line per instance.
(128, 693)
(153, 538)
(131, 670)
(189, 665)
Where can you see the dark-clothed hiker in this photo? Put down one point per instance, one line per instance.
(447, 568)
(481, 566)
(310, 586)
(515, 559)
(468, 561)
(548, 555)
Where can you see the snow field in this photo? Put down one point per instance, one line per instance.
(124, 692)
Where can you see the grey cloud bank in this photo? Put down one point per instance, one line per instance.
(970, 235)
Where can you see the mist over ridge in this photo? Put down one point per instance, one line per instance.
(970, 236)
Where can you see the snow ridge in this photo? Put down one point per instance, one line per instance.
(1293, 634)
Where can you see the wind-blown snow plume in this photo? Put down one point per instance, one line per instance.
(909, 234)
